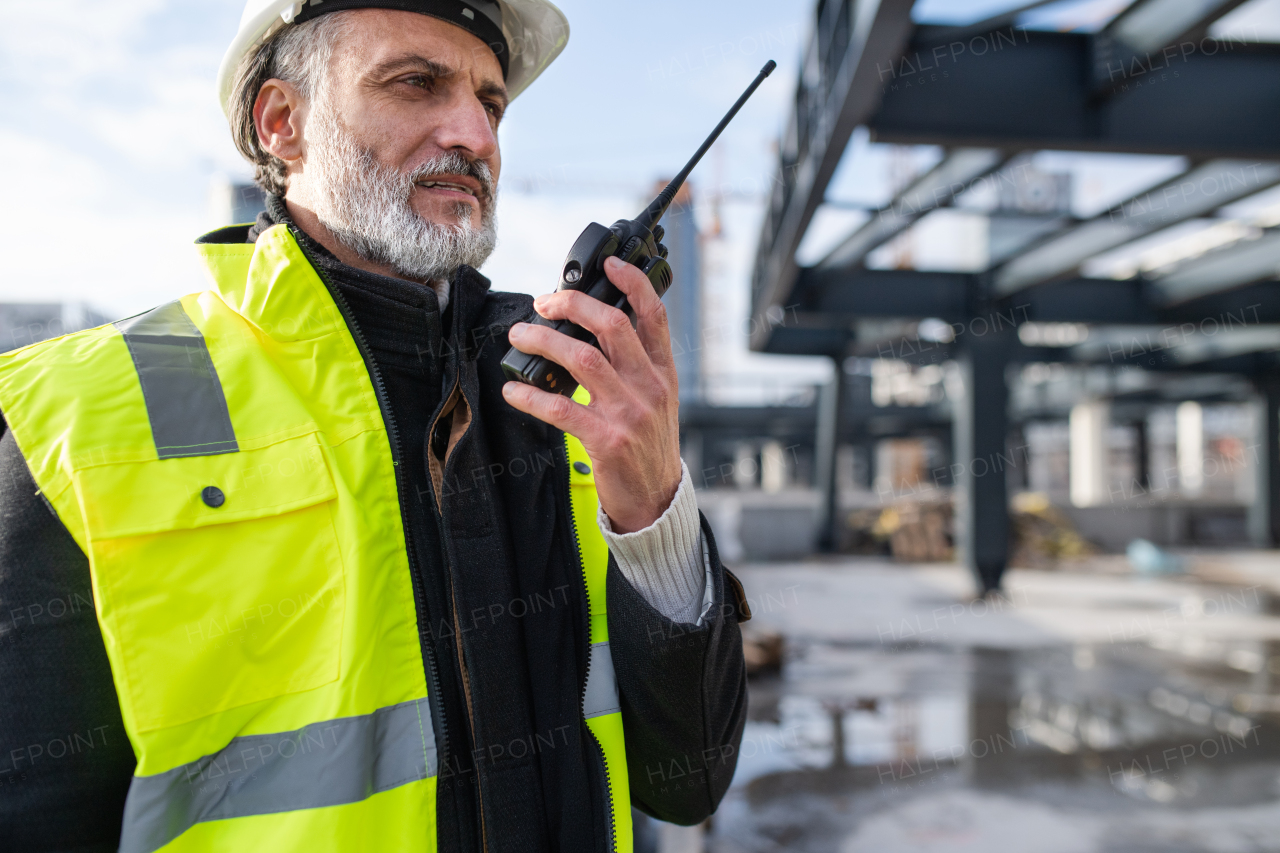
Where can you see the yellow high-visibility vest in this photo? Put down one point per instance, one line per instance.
(223, 462)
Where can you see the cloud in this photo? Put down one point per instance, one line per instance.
(66, 43)
(70, 230)
(109, 130)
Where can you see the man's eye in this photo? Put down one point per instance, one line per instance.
(419, 81)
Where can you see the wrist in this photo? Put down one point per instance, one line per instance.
(641, 515)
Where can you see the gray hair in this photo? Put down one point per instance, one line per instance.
(298, 54)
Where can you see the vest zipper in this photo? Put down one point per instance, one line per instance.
(453, 596)
(393, 438)
(582, 698)
(428, 654)
(471, 718)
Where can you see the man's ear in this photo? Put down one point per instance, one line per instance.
(279, 114)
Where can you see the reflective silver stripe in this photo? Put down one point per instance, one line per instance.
(185, 402)
(601, 696)
(323, 764)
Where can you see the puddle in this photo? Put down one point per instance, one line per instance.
(1152, 744)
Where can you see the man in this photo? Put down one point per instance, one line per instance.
(287, 564)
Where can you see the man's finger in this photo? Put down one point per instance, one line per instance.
(561, 412)
(651, 314)
(611, 326)
(584, 362)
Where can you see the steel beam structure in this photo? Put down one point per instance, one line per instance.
(1149, 25)
(1004, 20)
(834, 299)
(830, 301)
(972, 89)
(1151, 348)
(860, 419)
(1242, 263)
(1149, 83)
(1195, 193)
(837, 296)
(1034, 90)
(838, 90)
(936, 188)
(1201, 347)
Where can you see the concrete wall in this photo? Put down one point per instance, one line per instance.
(1166, 524)
(756, 525)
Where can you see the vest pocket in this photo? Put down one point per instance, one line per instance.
(219, 578)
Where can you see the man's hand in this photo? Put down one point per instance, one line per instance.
(631, 429)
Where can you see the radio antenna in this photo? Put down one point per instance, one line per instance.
(659, 205)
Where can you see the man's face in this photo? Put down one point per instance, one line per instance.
(410, 88)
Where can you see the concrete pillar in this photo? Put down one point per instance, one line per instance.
(830, 402)
(979, 434)
(1264, 511)
(723, 509)
(1190, 444)
(773, 467)
(745, 467)
(1087, 429)
(681, 839)
(644, 832)
(691, 453)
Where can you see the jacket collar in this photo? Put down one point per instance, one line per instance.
(273, 285)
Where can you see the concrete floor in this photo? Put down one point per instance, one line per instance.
(1091, 710)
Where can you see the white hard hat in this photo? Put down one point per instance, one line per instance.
(535, 31)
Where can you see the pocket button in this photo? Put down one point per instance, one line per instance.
(213, 496)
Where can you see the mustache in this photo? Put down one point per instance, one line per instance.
(454, 164)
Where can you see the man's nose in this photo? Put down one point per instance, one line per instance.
(467, 127)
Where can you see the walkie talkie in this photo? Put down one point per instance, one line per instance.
(638, 242)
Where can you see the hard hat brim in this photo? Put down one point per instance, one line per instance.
(536, 31)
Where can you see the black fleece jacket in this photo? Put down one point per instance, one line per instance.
(491, 539)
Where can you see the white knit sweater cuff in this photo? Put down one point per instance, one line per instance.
(664, 561)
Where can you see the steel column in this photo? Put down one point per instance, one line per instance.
(981, 426)
(1264, 512)
(830, 404)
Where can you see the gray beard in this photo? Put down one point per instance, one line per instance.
(365, 205)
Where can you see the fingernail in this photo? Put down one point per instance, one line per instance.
(541, 302)
(613, 261)
(517, 330)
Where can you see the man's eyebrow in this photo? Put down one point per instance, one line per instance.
(411, 62)
(497, 91)
(436, 69)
